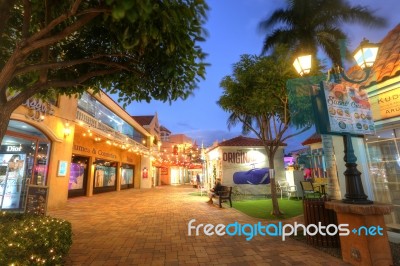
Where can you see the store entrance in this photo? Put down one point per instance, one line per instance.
(78, 176)
(24, 159)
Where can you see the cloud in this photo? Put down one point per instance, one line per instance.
(185, 126)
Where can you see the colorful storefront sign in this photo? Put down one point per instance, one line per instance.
(386, 105)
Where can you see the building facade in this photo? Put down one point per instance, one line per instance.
(242, 162)
(74, 147)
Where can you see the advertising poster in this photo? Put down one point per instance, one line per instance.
(11, 185)
(76, 176)
(349, 109)
(127, 176)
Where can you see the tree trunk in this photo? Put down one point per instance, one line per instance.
(329, 150)
(275, 206)
(5, 114)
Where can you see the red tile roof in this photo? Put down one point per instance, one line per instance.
(243, 141)
(143, 120)
(387, 64)
(314, 138)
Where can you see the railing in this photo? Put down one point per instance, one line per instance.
(315, 212)
(107, 130)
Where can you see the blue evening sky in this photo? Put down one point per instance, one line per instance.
(232, 31)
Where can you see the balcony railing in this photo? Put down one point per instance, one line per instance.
(107, 131)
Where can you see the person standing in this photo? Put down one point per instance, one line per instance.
(198, 181)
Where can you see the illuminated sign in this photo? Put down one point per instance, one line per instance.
(14, 148)
(38, 109)
(386, 105)
(241, 157)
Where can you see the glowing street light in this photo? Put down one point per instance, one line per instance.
(365, 56)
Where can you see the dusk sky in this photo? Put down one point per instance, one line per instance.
(232, 31)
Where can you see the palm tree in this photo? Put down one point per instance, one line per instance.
(306, 25)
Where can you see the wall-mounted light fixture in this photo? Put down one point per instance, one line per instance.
(67, 130)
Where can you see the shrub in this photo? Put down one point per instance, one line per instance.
(33, 240)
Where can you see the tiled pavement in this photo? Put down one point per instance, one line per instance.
(150, 227)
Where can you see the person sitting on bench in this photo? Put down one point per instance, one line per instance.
(215, 190)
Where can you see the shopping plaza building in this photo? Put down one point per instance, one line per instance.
(74, 147)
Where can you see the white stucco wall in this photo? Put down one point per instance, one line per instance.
(242, 159)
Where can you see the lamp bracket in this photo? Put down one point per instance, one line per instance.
(338, 73)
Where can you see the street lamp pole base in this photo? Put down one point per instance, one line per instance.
(354, 189)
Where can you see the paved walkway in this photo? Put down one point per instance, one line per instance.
(150, 227)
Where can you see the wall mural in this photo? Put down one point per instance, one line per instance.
(254, 176)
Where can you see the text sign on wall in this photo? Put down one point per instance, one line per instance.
(242, 156)
(386, 105)
(348, 109)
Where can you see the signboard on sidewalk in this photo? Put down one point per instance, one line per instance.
(36, 199)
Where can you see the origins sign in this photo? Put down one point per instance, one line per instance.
(241, 156)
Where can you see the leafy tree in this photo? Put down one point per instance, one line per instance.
(306, 25)
(255, 95)
(140, 49)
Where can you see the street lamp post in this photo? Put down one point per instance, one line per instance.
(365, 56)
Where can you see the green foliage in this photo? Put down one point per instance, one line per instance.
(305, 25)
(33, 240)
(257, 90)
(139, 49)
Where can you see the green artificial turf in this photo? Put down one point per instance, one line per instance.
(261, 208)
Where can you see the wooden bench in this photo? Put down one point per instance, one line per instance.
(223, 195)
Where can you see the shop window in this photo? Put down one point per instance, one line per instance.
(24, 157)
(104, 176)
(384, 167)
(127, 175)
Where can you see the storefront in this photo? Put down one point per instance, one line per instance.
(73, 147)
(383, 150)
(24, 158)
(32, 150)
(111, 145)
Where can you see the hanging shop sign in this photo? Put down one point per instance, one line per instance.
(340, 109)
(145, 173)
(38, 109)
(386, 105)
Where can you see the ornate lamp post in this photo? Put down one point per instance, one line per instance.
(365, 56)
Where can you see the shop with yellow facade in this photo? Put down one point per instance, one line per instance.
(73, 147)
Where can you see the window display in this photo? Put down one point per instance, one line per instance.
(11, 176)
(105, 174)
(384, 167)
(127, 173)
